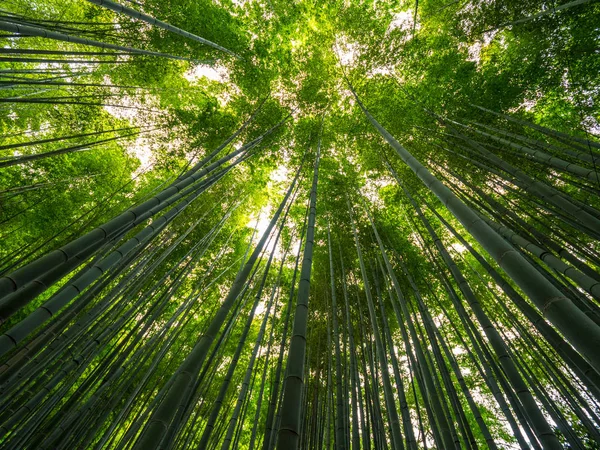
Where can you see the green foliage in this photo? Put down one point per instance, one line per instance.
(422, 81)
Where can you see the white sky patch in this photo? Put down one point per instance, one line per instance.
(145, 145)
(592, 125)
(44, 128)
(557, 180)
(495, 186)
(475, 48)
(403, 21)
(295, 247)
(260, 309)
(438, 320)
(213, 73)
(458, 351)
(346, 96)
(372, 187)
(224, 98)
(264, 218)
(280, 174)
(458, 247)
(263, 221)
(142, 150)
(527, 104)
(475, 52)
(379, 71)
(346, 51)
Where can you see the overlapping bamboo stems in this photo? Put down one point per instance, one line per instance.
(158, 23)
(305, 396)
(150, 372)
(430, 331)
(10, 262)
(581, 331)
(586, 277)
(484, 362)
(552, 161)
(565, 212)
(15, 280)
(397, 441)
(9, 304)
(276, 393)
(356, 396)
(5, 162)
(56, 61)
(217, 405)
(27, 30)
(133, 430)
(58, 139)
(503, 214)
(197, 393)
(573, 141)
(51, 330)
(289, 433)
(542, 395)
(548, 366)
(590, 285)
(161, 418)
(346, 381)
(400, 389)
(572, 239)
(78, 283)
(277, 292)
(448, 408)
(576, 210)
(539, 423)
(265, 366)
(329, 401)
(13, 192)
(573, 196)
(93, 313)
(83, 28)
(551, 194)
(413, 368)
(537, 205)
(426, 385)
(485, 431)
(579, 300)
(209, 427)
(340, 435)
(164, 298)
(47, 71)
(86, 353)
(374, 420)
(494, 374)
(583, 157)
(435, 336)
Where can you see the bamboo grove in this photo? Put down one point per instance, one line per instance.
(294, 225)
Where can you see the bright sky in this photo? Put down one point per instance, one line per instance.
(403, 20)
(280, 174)
(213, 73)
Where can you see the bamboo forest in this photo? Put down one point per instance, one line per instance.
(299, 224)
